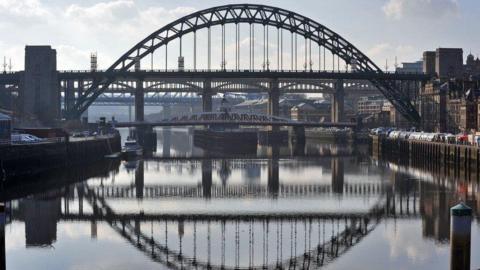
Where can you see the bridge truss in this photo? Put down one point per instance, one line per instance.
(267, 17)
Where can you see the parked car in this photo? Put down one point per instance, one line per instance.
(25, 138)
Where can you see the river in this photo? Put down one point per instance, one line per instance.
(315, 206)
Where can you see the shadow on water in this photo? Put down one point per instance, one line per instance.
(48, 179)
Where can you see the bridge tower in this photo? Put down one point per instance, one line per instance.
(40, 94)
(338, 101)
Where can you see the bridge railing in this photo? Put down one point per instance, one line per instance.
(239, 70)
(227, 116)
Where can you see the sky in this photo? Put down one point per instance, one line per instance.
(382, 29)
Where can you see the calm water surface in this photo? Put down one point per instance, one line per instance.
(318, 206)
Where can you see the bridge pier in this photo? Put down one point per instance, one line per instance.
(146, 136)
(69, 95)
(338, 101)
(207, 94)
(139, 102)
(273, 107)
(274, 99)
(80, 90)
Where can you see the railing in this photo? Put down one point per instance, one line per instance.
(43, 140)
(240, 70)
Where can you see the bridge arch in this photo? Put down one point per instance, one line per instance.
(250, 14)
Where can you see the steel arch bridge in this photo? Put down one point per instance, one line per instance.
(250, 14)
(318, 255)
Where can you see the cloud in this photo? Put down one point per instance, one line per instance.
(378, 49)
(382, 51)
(109, 27)
(105, 14)
(399, 9)
(406, 242)
(22, 13)
(69, 56)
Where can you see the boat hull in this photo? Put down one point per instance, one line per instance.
(132, 153)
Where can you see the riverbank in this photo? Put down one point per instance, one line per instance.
(452, 158)
(23, 159)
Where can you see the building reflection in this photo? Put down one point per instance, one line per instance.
(41, 216)
(434, 202)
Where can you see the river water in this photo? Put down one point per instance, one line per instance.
(314, 206)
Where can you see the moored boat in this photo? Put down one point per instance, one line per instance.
(131, 149)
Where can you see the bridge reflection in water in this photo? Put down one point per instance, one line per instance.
(248, 236)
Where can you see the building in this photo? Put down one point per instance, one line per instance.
(472, 66)
(398, 120)
(462, 105)
(432, 106)
(5, 129)
(449, 63)
(445, 63)
(40, 93)
(450, 102)
(413, 67)
(371, 104)
(308, 113)
(374, 111)
(429, 62)
(450, 106)
(259, 106)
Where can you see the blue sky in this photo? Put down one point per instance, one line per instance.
(382, 29)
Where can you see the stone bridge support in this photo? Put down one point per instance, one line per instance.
(273, 107)
(80, 90)
(207, 94)
(69, 95)
(274, 99)
(338, 101)
(139, 102)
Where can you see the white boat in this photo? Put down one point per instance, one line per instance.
(131, 149)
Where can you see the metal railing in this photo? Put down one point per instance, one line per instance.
(239, 70)
(41, 141)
